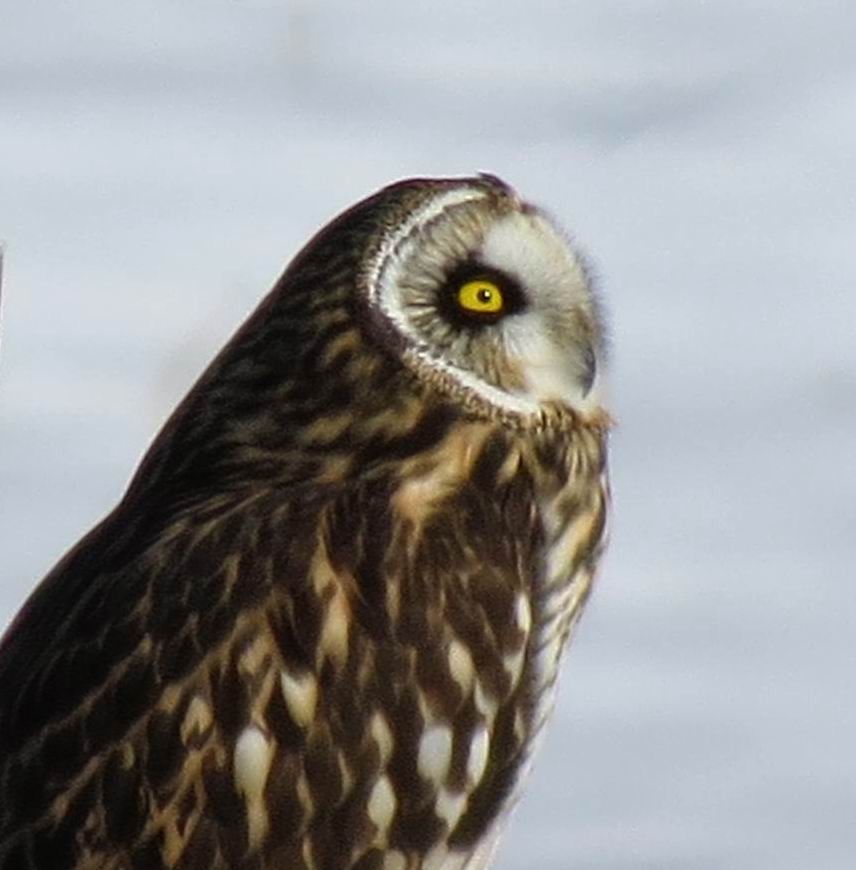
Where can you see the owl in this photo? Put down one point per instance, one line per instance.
(322, 629)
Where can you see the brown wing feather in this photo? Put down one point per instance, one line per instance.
(102, 730)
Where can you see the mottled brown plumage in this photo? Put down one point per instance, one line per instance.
(322, 628)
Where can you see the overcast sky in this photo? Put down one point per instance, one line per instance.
(160, 162)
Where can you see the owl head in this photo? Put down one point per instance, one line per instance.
(486, 296)
(431, 299)
(478, 293)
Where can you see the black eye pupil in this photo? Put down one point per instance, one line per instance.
(484, 295)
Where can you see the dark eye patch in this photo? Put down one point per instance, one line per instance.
(449, 306)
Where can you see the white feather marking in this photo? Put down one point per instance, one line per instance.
(441, 858)
(523, 613)
(436, 858)
(345, 772)
(334, 631)
(477, 758)
(435, 753)
(450, 806)
(381, 805)
(306, 852)
(485, 704)
(253, 755)
(300, 692)
(528, 247)
(382, 736)
(561, 554)
(513, 664)
(394, 860)
(461, 665)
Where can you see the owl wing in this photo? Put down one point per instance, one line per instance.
(305, 681)
(130, 675)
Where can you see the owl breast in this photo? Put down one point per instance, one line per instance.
(471, 566)
(380, 663)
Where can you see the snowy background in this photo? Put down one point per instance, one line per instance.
(161, 161)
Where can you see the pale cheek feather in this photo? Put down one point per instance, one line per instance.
(530, 249)
(517, 404)
(548, 371)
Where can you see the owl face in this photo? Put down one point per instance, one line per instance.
(488, 298)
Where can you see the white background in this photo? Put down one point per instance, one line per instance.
(161, 161)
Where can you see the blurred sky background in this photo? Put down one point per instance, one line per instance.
(160, 162)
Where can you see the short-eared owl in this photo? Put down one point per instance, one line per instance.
(322, 628)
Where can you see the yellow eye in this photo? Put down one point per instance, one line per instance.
(480, 297)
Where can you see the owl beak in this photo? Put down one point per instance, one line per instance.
(589, 370)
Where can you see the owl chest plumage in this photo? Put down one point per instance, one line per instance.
(458, 578)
